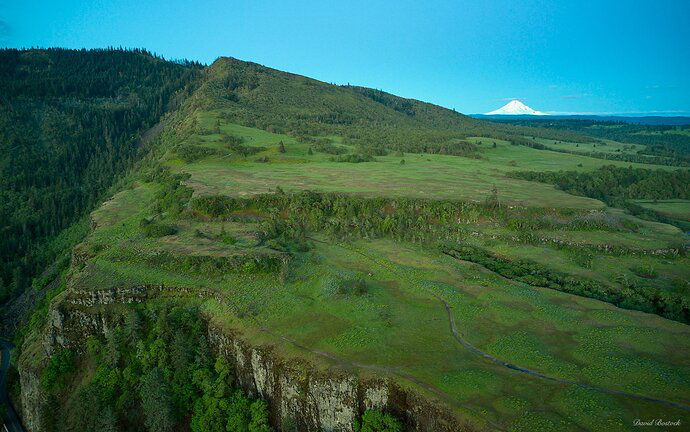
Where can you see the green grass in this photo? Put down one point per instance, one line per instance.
(676, 209)
(398, 324)
(602, 146)
(422, 175)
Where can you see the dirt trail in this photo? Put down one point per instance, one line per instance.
(458, 337)
(475, 350)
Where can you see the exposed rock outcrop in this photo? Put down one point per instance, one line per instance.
(300, 395)
(33, 399)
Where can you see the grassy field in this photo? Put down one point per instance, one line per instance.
(398, 322)
(676, 209)
(422, 175)
(381, 304)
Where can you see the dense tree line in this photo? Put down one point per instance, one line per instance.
(154, 372)
(612, 181)
(343, 215)
(70, 123)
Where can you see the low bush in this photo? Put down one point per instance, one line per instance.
(156, 229)
(329, 148)
(646, 271)
(353, 158)
(376, 421)
(192, 153)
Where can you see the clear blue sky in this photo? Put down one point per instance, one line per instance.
(568, 56)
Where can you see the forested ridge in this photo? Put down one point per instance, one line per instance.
(70, 123)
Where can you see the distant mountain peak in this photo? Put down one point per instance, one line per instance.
(515, 107)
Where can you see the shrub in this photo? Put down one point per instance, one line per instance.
(324, 145)
(376, 421)
(646, 271)
(349, 286)
(156, 230)
(192, 153)
(235, 144)
(60, 368)
(353, 158)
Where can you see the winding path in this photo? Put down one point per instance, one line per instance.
(473, 349)
(342, 362)
(12, 422)
(477, 351)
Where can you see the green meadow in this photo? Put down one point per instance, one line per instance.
(422, 175)
(398, 324)
(676, 209)
(525, 276)
(379, 304)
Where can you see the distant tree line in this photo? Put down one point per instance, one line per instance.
(666, 142)
(617, 186)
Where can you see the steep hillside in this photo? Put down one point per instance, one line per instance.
(71, 122)
(257, 96)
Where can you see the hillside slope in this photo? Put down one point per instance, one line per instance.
(71, 122)
(257, 96)
(302, 256)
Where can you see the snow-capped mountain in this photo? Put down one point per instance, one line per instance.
(515, 107)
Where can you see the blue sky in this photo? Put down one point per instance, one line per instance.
(570, 56)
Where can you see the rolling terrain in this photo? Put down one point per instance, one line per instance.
(325, 253)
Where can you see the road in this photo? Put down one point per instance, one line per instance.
(12, 422)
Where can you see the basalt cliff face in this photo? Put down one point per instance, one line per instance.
(300, 395)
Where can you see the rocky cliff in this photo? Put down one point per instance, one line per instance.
(301, 396)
